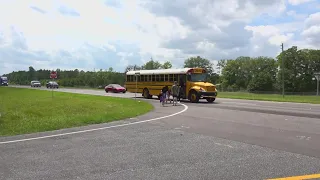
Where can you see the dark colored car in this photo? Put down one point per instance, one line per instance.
(52, 84)
(116, 88)
(3, 81)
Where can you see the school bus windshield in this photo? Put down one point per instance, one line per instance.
(197, 77)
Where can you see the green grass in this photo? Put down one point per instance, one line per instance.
(28, 111)
(270, 97)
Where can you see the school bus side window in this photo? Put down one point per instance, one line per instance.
(171, 77)
(161, 77)
(175, 77)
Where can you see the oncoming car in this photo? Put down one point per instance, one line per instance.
(3, 81)
(35, 84)
(116, 88)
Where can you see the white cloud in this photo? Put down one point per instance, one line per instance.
(295, 15)
(297, 2)
(275, 35)
(73, 34)
(311, 32)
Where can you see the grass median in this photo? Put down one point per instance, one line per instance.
(270, 97)
(28, 110)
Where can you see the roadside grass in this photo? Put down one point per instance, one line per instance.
(270, 97)
(28, 110)
(82, 87)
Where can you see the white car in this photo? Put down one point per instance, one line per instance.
(35, 84)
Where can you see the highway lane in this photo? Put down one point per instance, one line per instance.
(230, 139)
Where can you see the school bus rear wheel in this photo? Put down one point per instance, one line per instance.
(146, 93)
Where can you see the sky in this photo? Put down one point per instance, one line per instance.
(98, 34)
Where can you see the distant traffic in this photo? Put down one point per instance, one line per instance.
(3, 81)
(116, 88)
(50, 84)
(35, 84)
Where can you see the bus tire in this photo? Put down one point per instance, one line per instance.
(193, 96)
(146, 93)
(211, 100)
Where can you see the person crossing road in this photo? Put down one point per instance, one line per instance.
(175, 92)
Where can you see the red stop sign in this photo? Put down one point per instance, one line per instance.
(53, 75)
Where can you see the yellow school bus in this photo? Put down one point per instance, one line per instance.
(192, 81)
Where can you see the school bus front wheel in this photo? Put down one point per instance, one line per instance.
(194, 96)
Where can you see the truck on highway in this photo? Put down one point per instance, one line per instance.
(3, 81)
(192, 81)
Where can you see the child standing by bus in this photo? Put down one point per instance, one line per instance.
(164, 92)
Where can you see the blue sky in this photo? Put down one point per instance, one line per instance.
(100, 34)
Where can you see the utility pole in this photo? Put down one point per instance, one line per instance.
(137, 74)
(317, 74)
(282, 70)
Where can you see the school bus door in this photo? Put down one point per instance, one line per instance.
(183, 83)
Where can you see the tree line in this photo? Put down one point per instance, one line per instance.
(265, 73)
(243, 73)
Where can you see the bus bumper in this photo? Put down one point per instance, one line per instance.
(208, 94)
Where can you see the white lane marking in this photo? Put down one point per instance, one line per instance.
(236, 104)
(304, 137)
(96, 129)
(270, 102)
(219, 144)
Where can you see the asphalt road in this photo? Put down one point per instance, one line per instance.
(229, 139)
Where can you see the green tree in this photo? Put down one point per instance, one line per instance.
(263, 74)
(32, 73)
(167, 65)
(133, 68)
(221, 64)
(299, 66)
(152, 65)
(253, 74)
(69, 78)
(199, 62)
